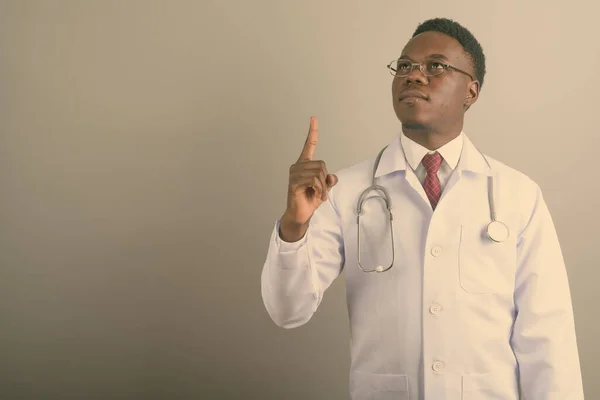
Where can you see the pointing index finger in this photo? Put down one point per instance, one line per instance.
(311, 141)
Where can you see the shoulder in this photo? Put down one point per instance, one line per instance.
(518, 189)
(516, 179)
(359, 170)
(352, 180)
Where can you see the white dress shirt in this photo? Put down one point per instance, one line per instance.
(450, 153)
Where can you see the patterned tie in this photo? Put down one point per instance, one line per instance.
(432, 163)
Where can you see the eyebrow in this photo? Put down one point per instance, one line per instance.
(429, 56)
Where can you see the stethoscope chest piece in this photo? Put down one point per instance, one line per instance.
(497, 231)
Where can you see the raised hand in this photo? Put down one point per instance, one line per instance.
(308, 187)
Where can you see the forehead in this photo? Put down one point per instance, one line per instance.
(428, 43)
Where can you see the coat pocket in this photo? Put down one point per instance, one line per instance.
(368, 386)
(485, 266)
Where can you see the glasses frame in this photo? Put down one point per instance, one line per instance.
(421, 67)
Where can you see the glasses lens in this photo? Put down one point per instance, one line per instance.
(401, 67)
(433, 67)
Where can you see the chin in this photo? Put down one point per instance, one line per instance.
(411, 119)
(414, 123)
(410, 113)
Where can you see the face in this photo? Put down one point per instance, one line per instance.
(447, 96)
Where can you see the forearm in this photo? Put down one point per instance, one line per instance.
(301, 264)
(288, 288)
(544, 339)
(548, 357)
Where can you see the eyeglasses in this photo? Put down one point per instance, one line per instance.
(429, 67)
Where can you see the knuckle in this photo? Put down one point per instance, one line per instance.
(324, 167)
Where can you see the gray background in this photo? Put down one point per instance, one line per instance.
(144, 152)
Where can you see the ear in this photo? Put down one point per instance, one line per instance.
(472, 94)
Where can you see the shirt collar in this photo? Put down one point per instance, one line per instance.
(450, 152)
(459, 152)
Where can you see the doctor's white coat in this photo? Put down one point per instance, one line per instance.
(458, 317)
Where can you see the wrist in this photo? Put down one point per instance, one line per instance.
(290, 230)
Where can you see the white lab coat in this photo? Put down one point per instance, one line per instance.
(458, 317)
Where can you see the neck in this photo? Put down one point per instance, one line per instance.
(429, 138)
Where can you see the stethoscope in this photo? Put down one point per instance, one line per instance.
(497, 231)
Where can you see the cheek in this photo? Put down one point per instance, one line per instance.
(396, 88)
(449, 99)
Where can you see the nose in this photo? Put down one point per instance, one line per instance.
(415, 76)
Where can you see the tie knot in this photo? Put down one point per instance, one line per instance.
(432, 162)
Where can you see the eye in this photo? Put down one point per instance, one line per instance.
(403, 66)
(435, 66)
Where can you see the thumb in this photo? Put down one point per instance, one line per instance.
(331, 180)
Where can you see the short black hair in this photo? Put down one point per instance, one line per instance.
(463, 36)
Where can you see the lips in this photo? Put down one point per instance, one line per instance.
(412, 94)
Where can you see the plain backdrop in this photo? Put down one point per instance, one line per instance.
(144, 153)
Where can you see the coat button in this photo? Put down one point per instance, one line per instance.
(435, 309)
(436, 251)
(437, 366)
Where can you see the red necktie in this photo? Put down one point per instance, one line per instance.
(432, 163)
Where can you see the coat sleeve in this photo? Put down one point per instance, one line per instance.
(296, 275)
(543, 337)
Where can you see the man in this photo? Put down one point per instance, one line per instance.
(451, 311)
